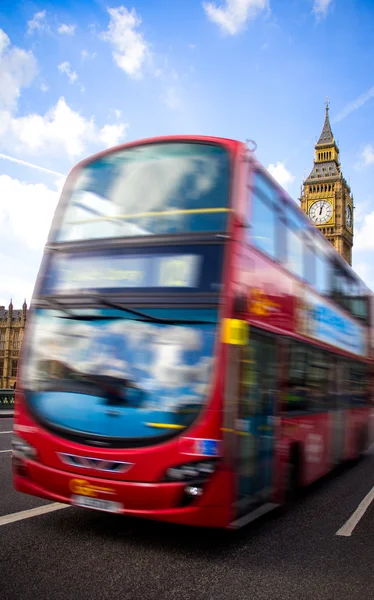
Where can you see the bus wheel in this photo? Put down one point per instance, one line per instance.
(362, 442)
(292, 478)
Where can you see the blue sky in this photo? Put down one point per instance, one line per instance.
(77, 77)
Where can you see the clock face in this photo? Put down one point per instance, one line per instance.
(348, 216)
(320, 212)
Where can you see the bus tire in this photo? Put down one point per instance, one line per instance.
(292, 477)
(362, 442)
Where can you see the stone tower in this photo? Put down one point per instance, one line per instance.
(326, 196)
(12, 325)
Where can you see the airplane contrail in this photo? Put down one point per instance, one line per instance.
(31, 165)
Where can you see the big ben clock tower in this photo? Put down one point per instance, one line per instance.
(326, 196)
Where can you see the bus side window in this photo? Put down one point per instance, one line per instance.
(296, 228)
(296, 393)
(323, 272)
(317, 380)
(265, 188)
(359, 384)
(309, 263)
(344, 400)
(263, 224)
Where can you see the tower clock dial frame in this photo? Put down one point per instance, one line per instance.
(348, 216)
(320, 212)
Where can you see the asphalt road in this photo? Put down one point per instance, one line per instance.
(87, 555)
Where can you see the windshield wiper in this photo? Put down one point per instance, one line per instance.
(58, 306)
(148, 317)
(138, 313)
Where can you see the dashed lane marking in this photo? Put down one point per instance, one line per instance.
(349, 526)
(32, 512)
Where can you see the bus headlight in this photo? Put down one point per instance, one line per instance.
(199, 470)
(22, 449)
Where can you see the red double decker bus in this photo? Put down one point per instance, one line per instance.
(196, 350)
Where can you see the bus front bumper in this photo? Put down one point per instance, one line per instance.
(158, 501)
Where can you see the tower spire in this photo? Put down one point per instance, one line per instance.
(326, 138)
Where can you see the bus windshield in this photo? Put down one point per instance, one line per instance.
(121, 378)
(154, 189)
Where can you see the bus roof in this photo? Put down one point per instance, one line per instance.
(234, 146)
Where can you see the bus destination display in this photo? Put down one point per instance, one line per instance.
(71, 273)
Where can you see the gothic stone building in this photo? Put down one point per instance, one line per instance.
(12, 325)
(326, 197)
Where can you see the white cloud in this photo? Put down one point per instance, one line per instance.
(363, 271)
(117, 113)
(352, 106)
(66, 29)
(321, 7)
(61, 130)
(44, 87)
(366, 157)
(111, 135)
(4, 41)
(364, 238)
(130, 48)
(281, 174)
(37, 23)
(65, 68)
(18, 69)
(26, 210)
(234, 14)
(85, 55)
(172, 98)
(15, 282)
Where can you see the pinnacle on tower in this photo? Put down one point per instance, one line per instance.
(326, 137)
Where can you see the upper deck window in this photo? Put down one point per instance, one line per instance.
(263, 223)
(296, 228)
(160, 188)
(263, 216)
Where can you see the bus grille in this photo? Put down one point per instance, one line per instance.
(97, 464)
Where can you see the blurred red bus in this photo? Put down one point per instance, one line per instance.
(196, 350)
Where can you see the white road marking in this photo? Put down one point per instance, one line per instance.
(5, 451)
(5, 432)
(349, 526)
(32, 512)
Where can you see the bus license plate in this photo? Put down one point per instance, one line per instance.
(97, 504)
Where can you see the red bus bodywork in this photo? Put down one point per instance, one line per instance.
(140, 490)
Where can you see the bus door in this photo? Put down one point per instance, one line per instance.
(255, 424)
(338, 399)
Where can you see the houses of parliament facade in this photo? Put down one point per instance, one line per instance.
(12, 326)
(326, 198)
